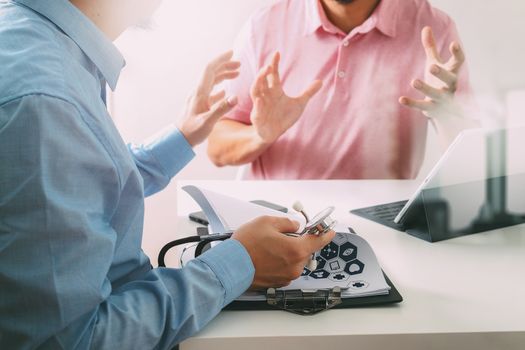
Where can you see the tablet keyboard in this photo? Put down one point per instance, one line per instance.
(383, 213)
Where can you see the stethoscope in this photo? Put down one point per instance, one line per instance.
(318, 225)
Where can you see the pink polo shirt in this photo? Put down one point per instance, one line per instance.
(354, 128)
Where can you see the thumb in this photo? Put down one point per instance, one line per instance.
(429, 44)
(310, 92)
(313, 243)
(220, 108)
(284, 225)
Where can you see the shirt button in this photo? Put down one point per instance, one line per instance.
(346, 43)
(341, 74)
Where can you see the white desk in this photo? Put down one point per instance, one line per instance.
(465, 293)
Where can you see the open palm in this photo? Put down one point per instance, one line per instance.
(203, 109)
(441, 80)
(274, 112)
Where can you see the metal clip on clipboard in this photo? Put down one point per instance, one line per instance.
(304, 302)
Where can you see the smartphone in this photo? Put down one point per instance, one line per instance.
(200, 218)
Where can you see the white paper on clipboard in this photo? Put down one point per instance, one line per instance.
(226, 214)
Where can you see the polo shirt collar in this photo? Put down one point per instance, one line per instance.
(386, 14)
(384, 18)
(316, 18)
(84, 33)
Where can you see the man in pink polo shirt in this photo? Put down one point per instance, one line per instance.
(369, 76)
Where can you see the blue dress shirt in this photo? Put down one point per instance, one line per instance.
(72, 272)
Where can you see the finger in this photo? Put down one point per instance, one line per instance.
(274, 82)
(275, 61)
(219, 109)
(310, 92)
(274, 79)
(227, 66)
(284, 225)
(260, 87)
(429, 43)
(222, 58)
(217, 97)
(422, 105)
(207, 81)
(225, 76)
(255, 90)
(449, 78)
(458, 58)
(313, 243)
(428, 90)
(258, 83)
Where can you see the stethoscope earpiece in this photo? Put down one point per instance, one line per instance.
(312, 265)
(320, 224)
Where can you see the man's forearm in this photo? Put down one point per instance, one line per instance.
(234, 143)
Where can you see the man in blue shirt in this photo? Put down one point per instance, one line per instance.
(72, 274)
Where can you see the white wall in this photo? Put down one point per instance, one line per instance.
(165, 63)
(493, 34)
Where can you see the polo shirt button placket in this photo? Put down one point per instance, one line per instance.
(341, 74)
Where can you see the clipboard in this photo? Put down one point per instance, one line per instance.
(346, 274)
(310, 303)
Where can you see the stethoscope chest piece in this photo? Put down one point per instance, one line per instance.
(321, 223)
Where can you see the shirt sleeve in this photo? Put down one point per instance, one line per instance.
(167, 305)
(58, 191)
(161, 158)
(244, 52)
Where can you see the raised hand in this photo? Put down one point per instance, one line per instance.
(273, 111)
(441, 79)
(203, 110)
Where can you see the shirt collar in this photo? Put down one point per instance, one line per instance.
(386, 15)
(316, 18)
(384, 18)
(84, 33)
